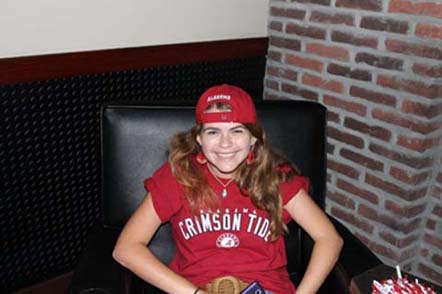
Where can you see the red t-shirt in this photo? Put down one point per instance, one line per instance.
(234, 240)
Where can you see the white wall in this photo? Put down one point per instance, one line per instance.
(34, 27)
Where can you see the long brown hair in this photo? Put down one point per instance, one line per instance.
(260, 180)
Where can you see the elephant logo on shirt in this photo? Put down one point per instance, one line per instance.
(227, 240)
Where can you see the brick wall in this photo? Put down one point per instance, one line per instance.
(377, 66)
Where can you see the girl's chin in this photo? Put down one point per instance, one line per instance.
(224, 171)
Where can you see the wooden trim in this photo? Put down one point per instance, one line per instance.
(45, 67)
(57, 285)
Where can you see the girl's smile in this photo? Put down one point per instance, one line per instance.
(226, 146)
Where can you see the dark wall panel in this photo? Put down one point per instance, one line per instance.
(50, 155)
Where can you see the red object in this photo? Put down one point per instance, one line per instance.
(250, 157)
(243, 109)
(233, 240)
(201, 158)
(400, 286)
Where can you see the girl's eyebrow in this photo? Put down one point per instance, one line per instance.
(210, 128)
(216, 129)
(238, 127)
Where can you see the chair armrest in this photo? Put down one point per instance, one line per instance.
(337, 281)
(355, 256)
(97, 272)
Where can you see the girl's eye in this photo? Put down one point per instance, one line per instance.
(238, 131)
(211, 132)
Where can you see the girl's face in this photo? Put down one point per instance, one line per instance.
(225, 145)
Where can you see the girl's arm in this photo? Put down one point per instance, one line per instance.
(327, 245)
(131, 251)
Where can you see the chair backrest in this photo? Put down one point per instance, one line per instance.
(135, 141)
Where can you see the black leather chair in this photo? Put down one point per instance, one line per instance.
(134, 144)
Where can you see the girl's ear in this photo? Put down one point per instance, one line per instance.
(253, 141)
(198, 139)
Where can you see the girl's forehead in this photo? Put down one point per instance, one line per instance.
(222, 125)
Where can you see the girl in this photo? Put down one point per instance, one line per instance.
(228, 196)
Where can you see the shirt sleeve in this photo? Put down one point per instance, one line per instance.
(165, 191)
(290, 189)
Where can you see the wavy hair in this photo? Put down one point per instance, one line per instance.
(259, 180)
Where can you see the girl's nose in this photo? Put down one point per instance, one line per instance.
(225, 140)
